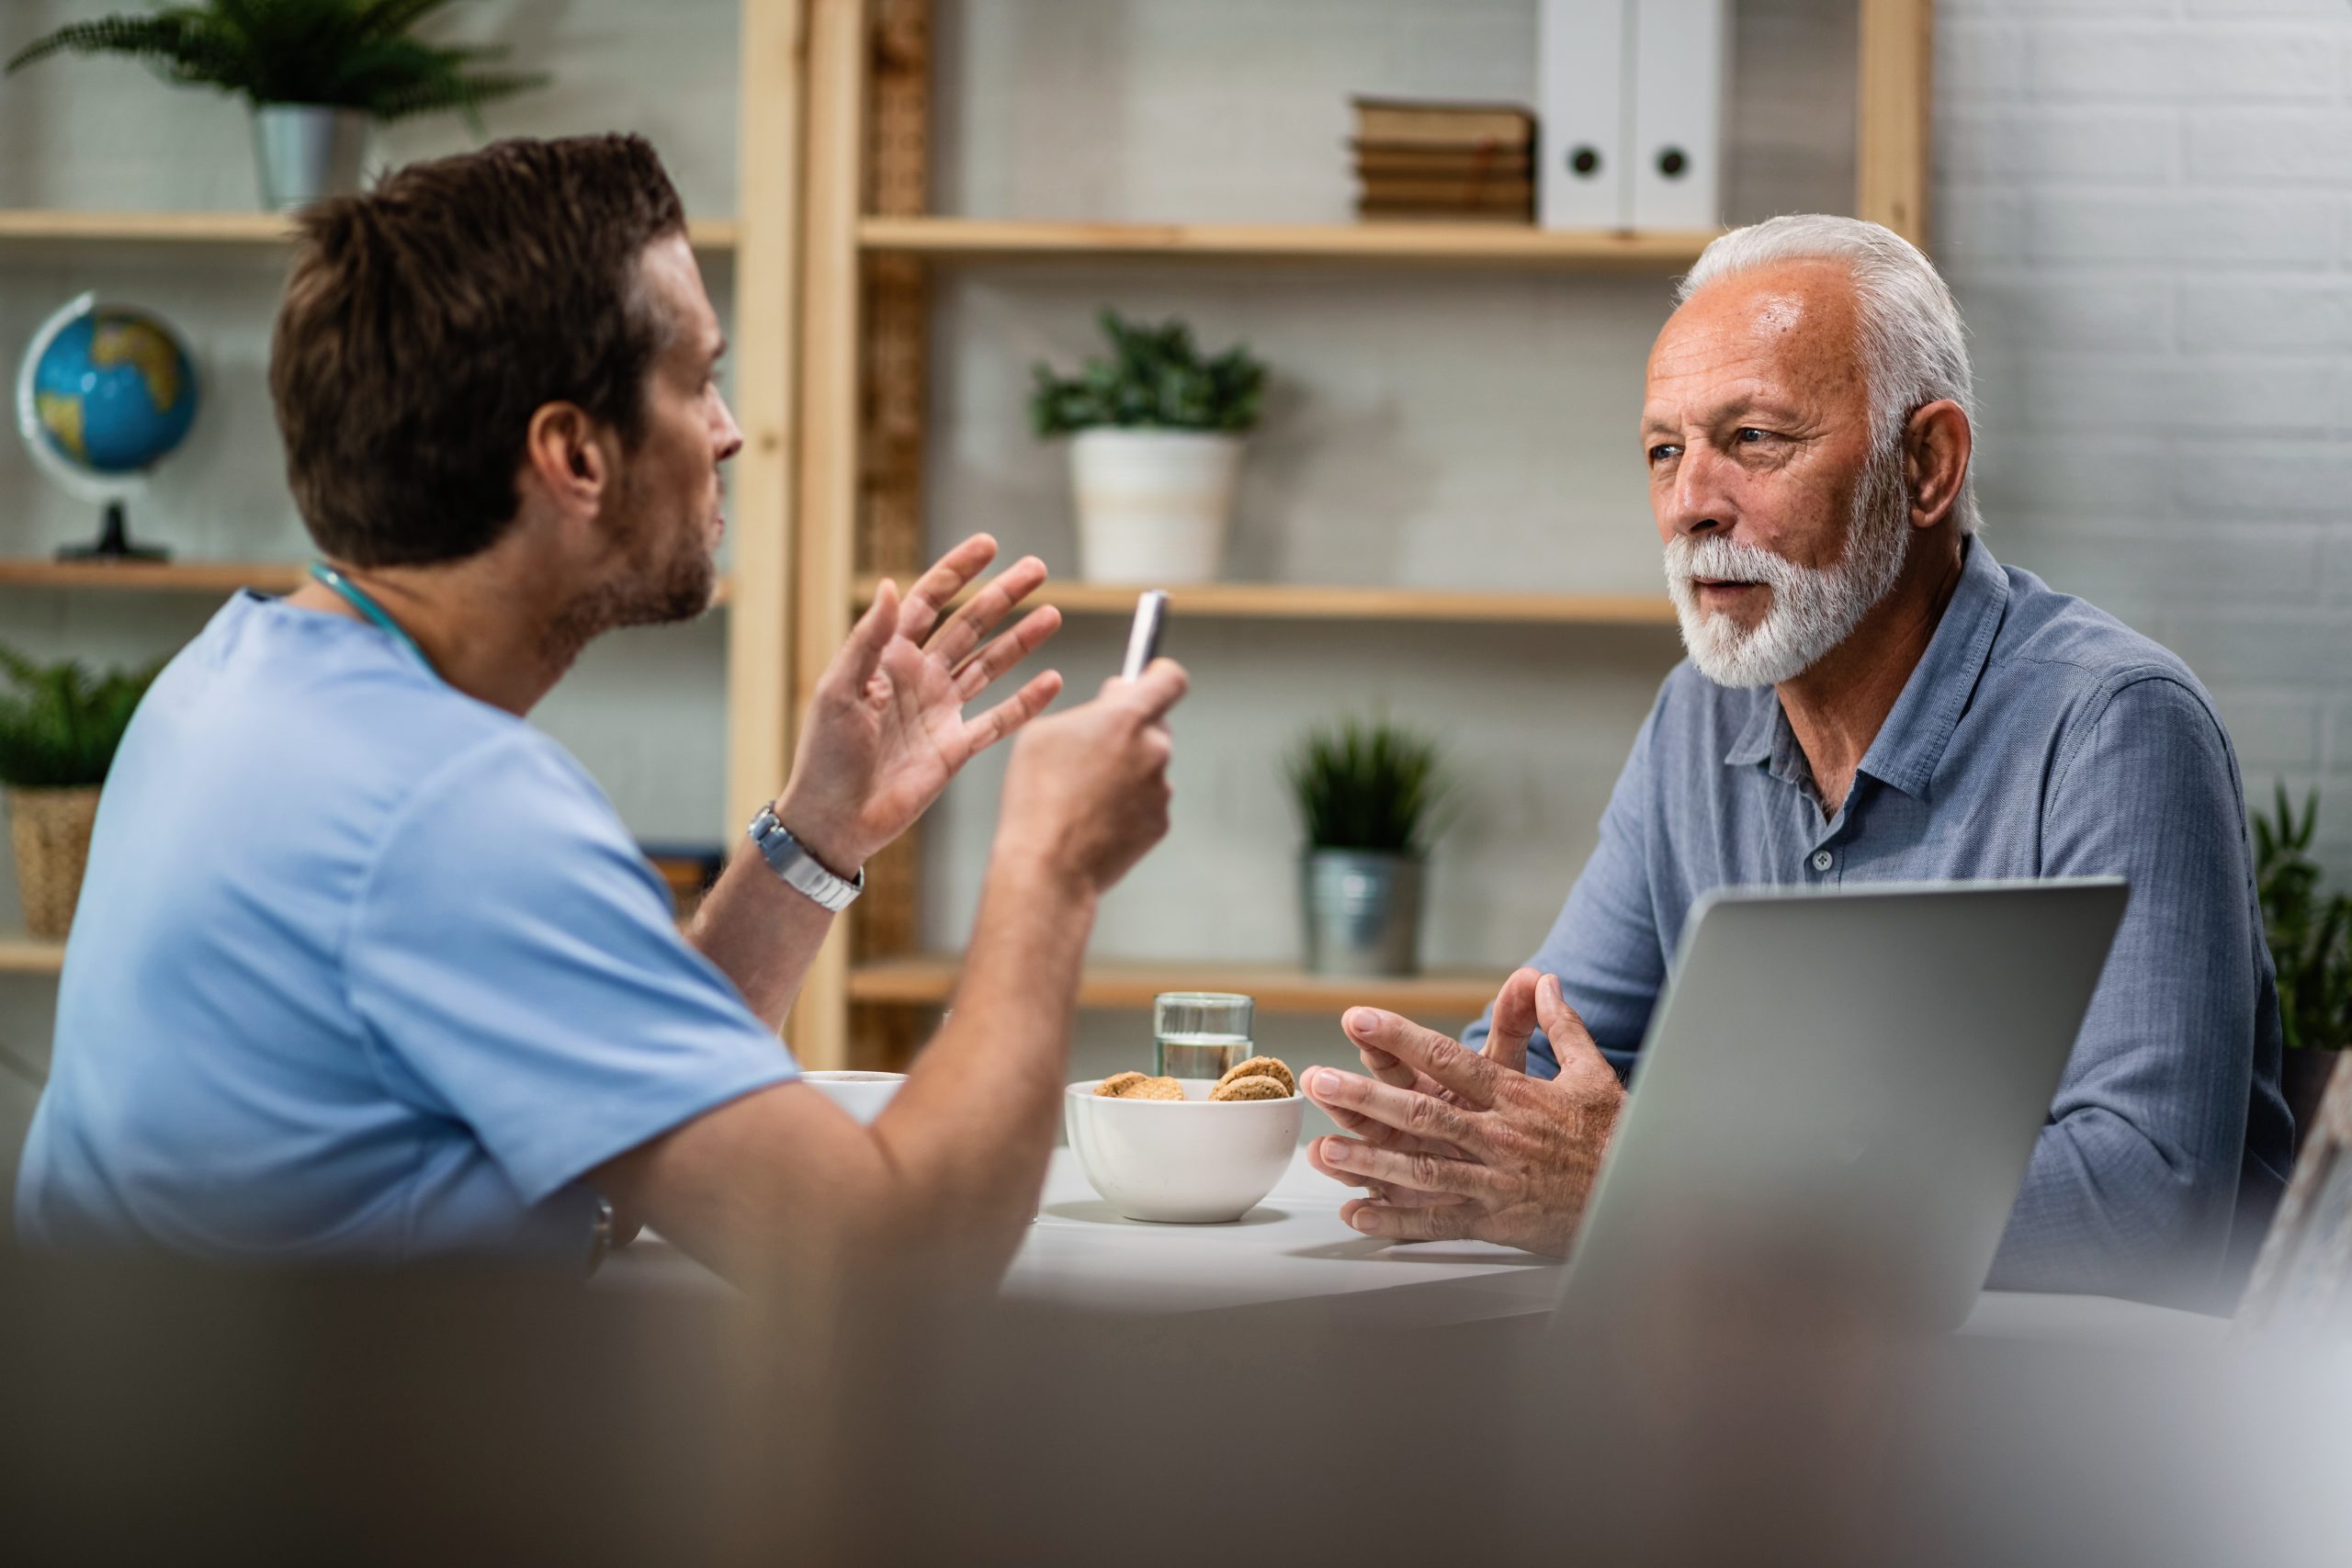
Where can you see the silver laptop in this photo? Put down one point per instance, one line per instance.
(1838, 1098)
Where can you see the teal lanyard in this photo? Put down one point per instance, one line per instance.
(359, 601)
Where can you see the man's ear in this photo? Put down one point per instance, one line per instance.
(1937, 445)
(565, 457)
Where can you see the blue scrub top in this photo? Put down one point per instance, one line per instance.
(362, 968)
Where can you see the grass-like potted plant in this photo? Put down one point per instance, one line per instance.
(1159, 444)
(59, 728)
(2310, 943)
(1372, 796)
(317, 73)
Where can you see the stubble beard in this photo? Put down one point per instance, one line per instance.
(666, 574)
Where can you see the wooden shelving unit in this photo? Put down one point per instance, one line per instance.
(71, 226)
(761, 244)
(869, 245)
(1302, 602)
(929, 979)
(20, 954)
(154, 577)
(194, 577)
(960, 240)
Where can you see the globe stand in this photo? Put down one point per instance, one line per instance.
(114, 542)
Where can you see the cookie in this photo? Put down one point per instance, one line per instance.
(1138, 1086)
(1257, 1086)
(1263, 1066)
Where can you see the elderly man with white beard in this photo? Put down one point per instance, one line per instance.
(1869, 697)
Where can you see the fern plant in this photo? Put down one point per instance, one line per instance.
(347, 54)
(2310, 935)
(60, 723)
(1154, 380)
(1369, 785)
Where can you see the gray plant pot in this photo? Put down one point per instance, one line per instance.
(1362, 910)
(303, 152)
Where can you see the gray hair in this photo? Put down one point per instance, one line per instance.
(1913, 346)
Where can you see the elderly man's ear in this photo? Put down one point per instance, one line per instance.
(1937, 443)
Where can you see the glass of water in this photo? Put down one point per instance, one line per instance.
(1199, 1034)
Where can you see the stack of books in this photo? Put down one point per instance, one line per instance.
(1453, 162)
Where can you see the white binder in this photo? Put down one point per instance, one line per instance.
(1680, 79)
(1586, 179)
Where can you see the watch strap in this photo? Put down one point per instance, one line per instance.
(800, 869)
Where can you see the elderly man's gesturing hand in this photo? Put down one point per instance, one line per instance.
(1451, 1144)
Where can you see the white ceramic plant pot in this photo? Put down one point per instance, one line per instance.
(1153, 505)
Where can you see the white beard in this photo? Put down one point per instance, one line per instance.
(1812, 609)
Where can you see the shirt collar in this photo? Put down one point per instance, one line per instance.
(1911, 742)
(1754, 742)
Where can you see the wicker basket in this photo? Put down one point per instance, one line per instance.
(51, 829)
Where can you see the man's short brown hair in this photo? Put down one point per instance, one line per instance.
(425, 321)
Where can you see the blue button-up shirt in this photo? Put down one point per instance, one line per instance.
(2038, 737)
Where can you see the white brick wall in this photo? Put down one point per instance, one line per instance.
(2145, 207)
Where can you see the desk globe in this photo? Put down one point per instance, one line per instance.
(105, 392)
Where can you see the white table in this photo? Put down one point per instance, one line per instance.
(1293, 1247)
(1292, 1252)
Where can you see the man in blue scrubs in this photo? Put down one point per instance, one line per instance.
(367, 967)
(1870, 697)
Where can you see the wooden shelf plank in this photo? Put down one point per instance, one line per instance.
(1283, 600)
(20, 954)
(65, 224)
(1489, 244)
(159, 577)
(930, 978)
(176, 575)
(145, 228)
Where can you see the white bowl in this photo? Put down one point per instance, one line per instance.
(1195, 1161)
(863, 1095)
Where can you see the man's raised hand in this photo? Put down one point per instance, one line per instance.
(886, 729)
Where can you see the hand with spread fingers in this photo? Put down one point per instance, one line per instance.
(886, 729)
(1451, 1144)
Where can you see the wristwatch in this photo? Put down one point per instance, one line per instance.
(789, 859)
(600, 1237)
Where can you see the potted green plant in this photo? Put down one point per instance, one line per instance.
(1371, 795)
(2310, 944)
(59, 728)
(317, 73)
(1158, 434)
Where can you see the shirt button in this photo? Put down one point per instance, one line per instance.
(1821, 860)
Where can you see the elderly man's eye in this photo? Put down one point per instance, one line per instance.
(1748, 435)
(1660, 453)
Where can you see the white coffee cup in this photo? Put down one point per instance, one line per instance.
(863, 1095)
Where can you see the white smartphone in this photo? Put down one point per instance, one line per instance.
(1143, 636)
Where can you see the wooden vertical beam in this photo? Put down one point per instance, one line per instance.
(1896, 96)
(898, 185)
(767, 271)
(890, 536)
(826, 552)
